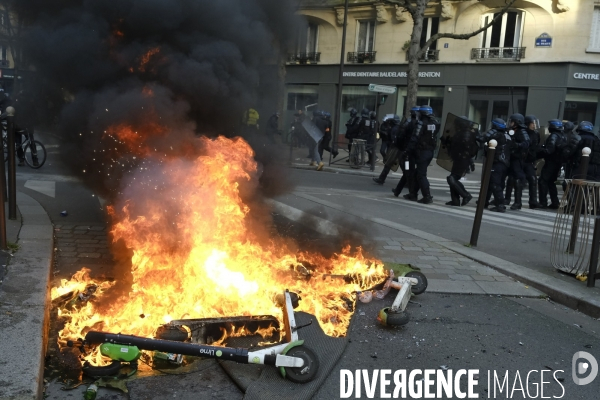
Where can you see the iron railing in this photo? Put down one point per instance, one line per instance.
(498, 54)
(304, 58)
(361, 57)
(428, 56)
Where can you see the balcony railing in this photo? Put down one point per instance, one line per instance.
(498, 54)
(428, 56)
(361, 57)
(304, 58)
(4, 63)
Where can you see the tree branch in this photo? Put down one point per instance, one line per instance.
(464, 36)
(406, 4)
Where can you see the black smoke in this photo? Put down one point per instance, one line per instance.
(192, 66)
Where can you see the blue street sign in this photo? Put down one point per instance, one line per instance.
(544, 40)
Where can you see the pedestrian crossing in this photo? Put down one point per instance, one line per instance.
(538, 222)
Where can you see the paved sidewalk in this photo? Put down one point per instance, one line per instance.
(25, 303)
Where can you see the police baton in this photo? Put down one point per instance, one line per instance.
(485, 182)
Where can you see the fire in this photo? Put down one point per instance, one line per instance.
(197, 253)
(145, 58)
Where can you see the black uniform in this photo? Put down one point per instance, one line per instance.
(461, 163)
(424, 141)
(499, 167)
(553, 156)
(588, 139)
(352, 129)
(324, 126)
(519, 151)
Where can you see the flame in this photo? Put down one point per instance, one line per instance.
(198, 254)
(145, 58)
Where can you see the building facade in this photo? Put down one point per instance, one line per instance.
(542, 57)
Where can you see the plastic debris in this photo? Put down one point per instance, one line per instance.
(64, 213)
(365, 297)
(380, 294)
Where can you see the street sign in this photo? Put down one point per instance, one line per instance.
(544, 40)
(382, 89)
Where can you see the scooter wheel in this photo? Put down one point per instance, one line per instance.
(421, 286)
(308, 371)
(108, 370)
(388, 318)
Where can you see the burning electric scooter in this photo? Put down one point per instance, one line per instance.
(296, 362)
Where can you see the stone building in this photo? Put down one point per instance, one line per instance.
(540, 58)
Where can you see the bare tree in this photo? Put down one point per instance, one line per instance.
(416, 8)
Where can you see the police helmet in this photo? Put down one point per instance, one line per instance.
(352, 111)
(415, 109)
(568, 126)
(396, 119)
(372, 115)
(317, 113)
(585, 126)
(499, 124)
(365, 112)
(387, 117)
(555, 125)
(517, 119)
(426, 110)
(327, 115)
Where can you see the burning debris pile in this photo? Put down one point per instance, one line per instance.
(155, 90)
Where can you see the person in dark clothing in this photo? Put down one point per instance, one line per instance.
(569, 156)
(409, 160)
(324, 125)
(500, 163)
(395, 156)
(590, 140)
(424, 140)
(461, 153)
(372, 137)
(519, 149)
(553, 156)
(272, 127)
(352, 127)
(384, 132)
(532, 124)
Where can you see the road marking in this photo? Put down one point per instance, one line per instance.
(47, 177)
(44, 187)
(319, 224)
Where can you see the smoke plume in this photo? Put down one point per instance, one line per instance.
(146, 77)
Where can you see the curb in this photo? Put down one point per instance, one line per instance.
(570, 294)
(25, 300)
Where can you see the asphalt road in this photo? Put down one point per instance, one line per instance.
(458, 332)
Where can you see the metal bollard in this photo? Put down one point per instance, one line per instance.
(3, 239)
(593, 274)
(487, 170)
(582, 172)
(12, 173)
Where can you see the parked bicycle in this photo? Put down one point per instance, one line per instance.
(31, 152)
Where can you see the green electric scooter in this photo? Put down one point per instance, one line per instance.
(295, 361)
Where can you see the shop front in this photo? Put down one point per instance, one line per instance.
(480, 91)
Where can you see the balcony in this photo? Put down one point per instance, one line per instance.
(428, 56)
(498, 54)
(361, 57)
(304, 58)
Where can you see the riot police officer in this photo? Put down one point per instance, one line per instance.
(500, 163)
(519, 148)
(553, 162)
(424, 139)
(588, 139)
(532, 125)
(570, 149)
(461, 161)
(372, 138)
(409, 158)
(352, 127)
(324, 124)
(389, 134)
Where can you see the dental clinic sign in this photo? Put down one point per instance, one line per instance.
(581, 75)
(374, 74)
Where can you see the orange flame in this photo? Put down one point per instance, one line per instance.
(196, 254)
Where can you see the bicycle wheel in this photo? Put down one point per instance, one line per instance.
(35, 156)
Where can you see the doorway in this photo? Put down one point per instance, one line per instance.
(487, 104)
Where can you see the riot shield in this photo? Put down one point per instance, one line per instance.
(458, 141)
(313, 131)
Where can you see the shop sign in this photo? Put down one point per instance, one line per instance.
(589, 77)
(373, 74)
(544, 40)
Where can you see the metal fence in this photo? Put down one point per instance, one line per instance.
(572, 238)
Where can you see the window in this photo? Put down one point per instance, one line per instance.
(582, 105)
(365, 36)
(308, 39)
(430, 28)
(358, 97)
(595, 33)
(431, 96)
(505, 32)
